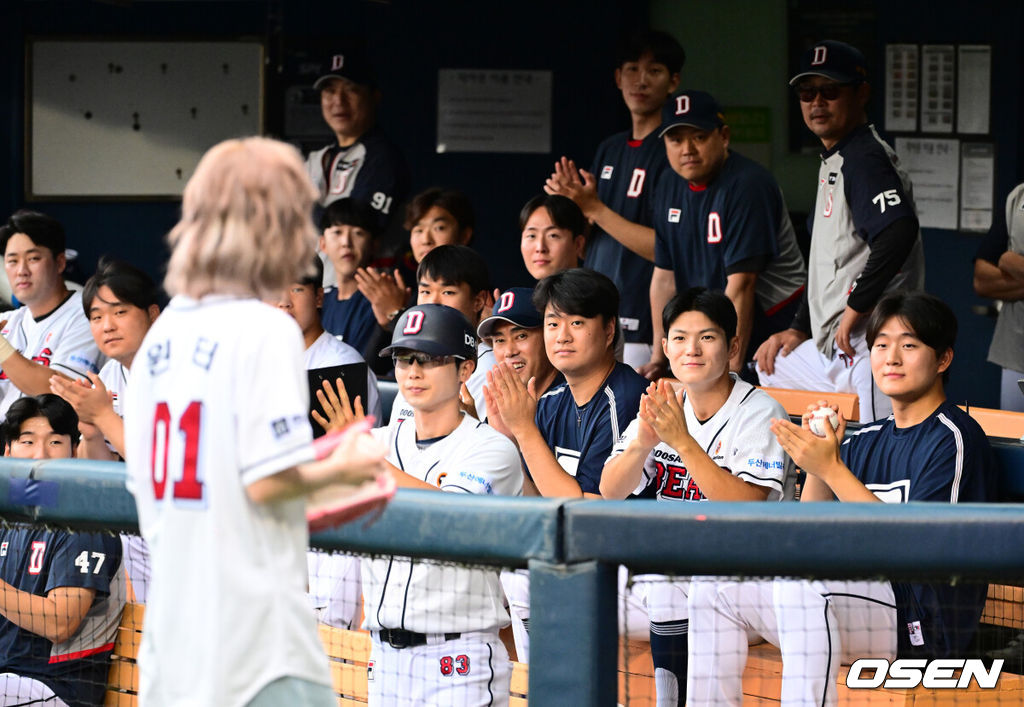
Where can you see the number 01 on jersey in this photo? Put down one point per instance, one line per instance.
(187, 486)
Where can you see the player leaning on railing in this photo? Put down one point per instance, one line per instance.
(61, 593)
(928, 450)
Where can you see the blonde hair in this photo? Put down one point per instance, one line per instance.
(245, 225)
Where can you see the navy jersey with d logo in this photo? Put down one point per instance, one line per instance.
(626, 171)
(582, 437)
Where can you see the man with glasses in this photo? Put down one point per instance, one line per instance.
(865, 238)
(434, 628)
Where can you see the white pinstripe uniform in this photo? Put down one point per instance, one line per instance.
(136, 554)
(61, 340)
(456, 610)
(115, 380)
(334, 585)
(738, 439)
(820, 624)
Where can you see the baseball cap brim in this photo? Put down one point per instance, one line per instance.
(834, 75)
(699, 124)
(488, 325)
(319, 83)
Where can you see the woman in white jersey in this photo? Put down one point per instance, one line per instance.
(219, 447)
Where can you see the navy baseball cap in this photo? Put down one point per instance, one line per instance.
(349, 65)
(834, 60)
(434, 329)
(515, 306)
(696, 108)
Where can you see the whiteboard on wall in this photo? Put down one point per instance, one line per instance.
(130, 119)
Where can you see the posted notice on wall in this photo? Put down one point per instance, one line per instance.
(974, 87)
(901, 82)
(977, 185)
(489, 110)
(934, 168)
(937, 88)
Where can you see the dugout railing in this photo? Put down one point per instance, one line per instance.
(572, 548)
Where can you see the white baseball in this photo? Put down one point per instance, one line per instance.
(818, 417)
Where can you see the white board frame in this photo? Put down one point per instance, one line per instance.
(85, 96)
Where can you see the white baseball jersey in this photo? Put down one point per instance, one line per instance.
(61, 340)
(115, 379)
(334, 584)
(738, 439)
(400, 409)
(410, 594)
(330, 351)
(217, 400)
(475, 385)
(133, 548)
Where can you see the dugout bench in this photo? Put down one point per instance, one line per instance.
(349, 651)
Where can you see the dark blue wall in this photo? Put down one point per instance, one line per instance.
(408, 41)
(950, 254)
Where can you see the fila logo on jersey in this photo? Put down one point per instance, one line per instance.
(413, 323)
(674, 215)
(682, 105)
(606, 171)
(832, 177)
(507, 300)
(820, 53)
(337, 61)
(3, 549)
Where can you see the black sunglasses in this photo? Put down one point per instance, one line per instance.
(828, 91)
(404, 360)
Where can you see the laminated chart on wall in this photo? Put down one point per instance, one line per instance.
(132, 118)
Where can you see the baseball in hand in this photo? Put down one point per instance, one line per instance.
(818, 417)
